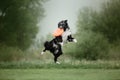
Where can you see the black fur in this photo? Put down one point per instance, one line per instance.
(70, 38)
(63, 24)
(54, 47)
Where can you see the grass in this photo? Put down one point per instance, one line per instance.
(64, 65)
(67, 70)
(59, 74)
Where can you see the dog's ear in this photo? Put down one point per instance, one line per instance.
(66, 21)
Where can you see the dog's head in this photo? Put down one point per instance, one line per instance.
(63, 24)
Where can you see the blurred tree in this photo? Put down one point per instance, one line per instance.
(18, 21)
(96, 30)
(109, 21)
(91, 45)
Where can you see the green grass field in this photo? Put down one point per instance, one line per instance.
(59, 74)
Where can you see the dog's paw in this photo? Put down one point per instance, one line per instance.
(57, 62)
(75, 40)
(42, 53)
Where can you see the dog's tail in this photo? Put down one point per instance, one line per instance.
(46, 44)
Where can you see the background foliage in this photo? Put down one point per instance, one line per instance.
(18, 22)
(18, 26)
(98, 33)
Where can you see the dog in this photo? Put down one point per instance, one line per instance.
(55, 45)
(54, 48)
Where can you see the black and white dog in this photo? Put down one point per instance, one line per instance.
(55, 45)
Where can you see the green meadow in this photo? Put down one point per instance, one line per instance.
(74, 70)
(59, 74)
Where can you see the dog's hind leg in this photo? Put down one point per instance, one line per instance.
(55, 60)
(56, 57)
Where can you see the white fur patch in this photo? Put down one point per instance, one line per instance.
(61, 43)
(75, 40)
(56, 51)
(65, 35)
(57, 62)
(42, 53)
